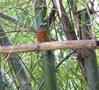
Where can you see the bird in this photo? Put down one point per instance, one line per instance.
(41, 34)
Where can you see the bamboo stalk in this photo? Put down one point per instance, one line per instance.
(47, 57)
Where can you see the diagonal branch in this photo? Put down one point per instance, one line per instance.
(65, 21)
(6, 17)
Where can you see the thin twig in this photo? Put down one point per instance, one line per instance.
(65, 59)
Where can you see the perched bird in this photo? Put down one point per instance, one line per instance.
(42, 35)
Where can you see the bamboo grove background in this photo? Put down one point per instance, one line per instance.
(66, 69)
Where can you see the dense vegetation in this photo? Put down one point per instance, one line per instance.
(66, 69)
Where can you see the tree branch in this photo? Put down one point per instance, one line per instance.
(49, 46)
(11, 19)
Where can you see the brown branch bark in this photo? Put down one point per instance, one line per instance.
(49, 46)
(68, 29)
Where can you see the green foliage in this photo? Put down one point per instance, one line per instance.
(69, 75)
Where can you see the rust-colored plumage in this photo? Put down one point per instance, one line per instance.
(42, 35)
